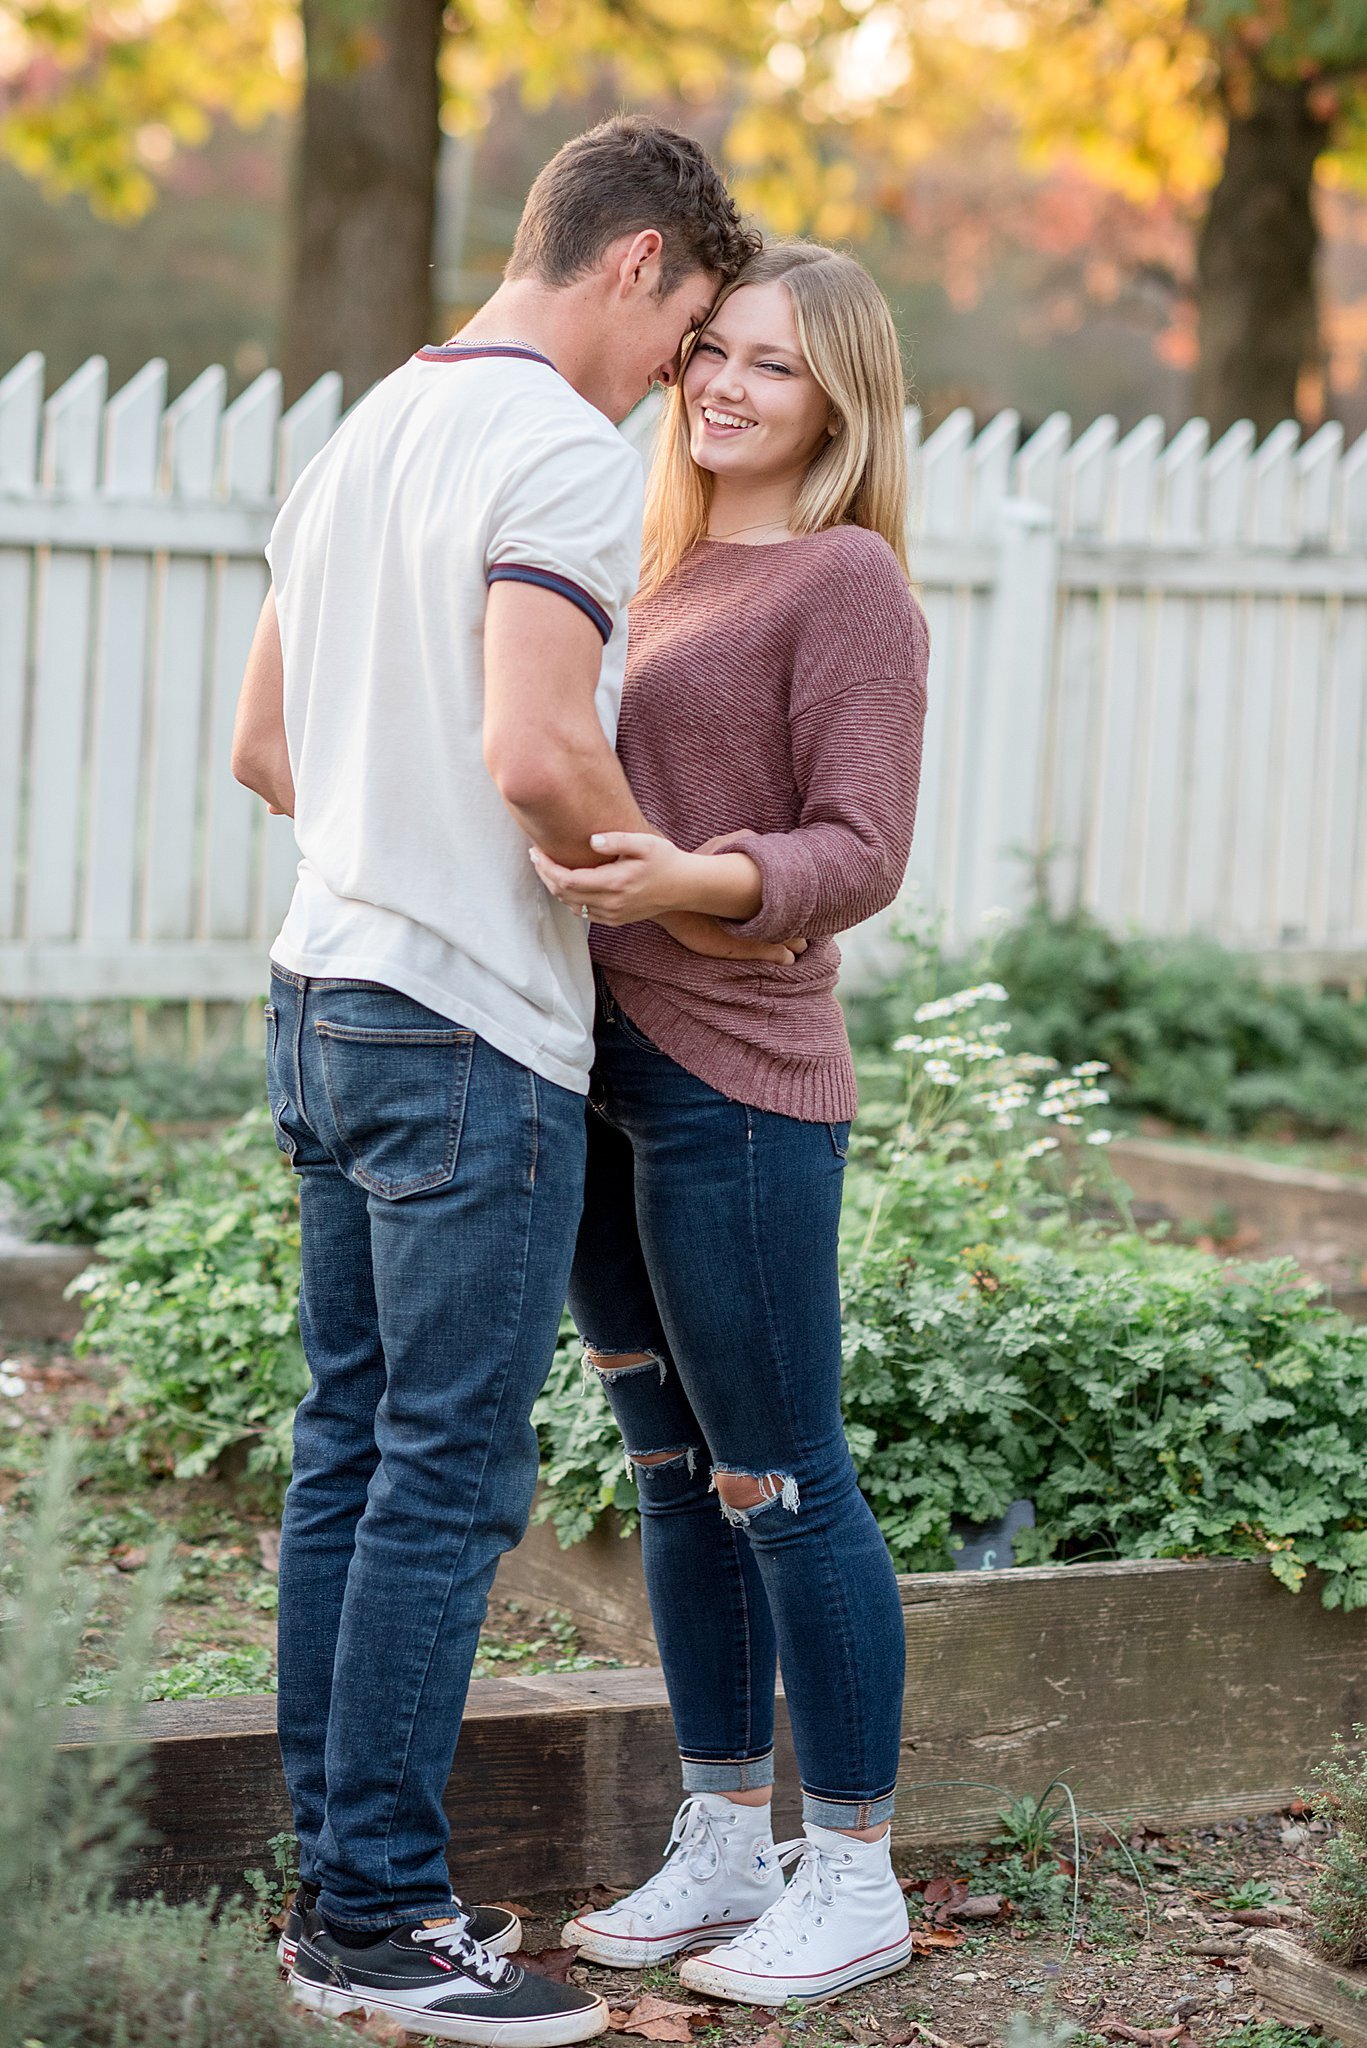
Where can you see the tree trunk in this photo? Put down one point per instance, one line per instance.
(360, 292)
(1256, 282)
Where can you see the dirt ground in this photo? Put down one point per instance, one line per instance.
(1168, 1958)
(217, 1631)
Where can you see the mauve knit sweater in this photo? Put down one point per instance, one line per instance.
(774, 695)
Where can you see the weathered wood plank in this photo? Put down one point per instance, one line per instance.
(1305, 1991)
(1183, 1692)
(558, 1780)
(1293, 1202)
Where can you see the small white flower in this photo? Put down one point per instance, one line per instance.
(1098, 1137)
(1038, 1147)
(1064, 1118)
(12, 1384)
(1091, 1067)
(910, 1043)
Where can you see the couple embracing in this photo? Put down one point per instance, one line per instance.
(498, 914)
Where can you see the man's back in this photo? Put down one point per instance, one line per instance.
(464, 466)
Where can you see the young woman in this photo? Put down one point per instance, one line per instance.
(771, 731)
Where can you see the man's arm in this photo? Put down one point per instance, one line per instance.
(260, 758)
(548, 754)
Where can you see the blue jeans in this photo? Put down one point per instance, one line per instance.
(709, 1242)
(440, 1190)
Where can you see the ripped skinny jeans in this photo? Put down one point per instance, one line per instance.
(708, 1242)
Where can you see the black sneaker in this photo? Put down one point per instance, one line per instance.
(497, 1929)
(430, 1977)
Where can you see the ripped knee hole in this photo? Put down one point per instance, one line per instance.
(746, 1490)
(608, 1365)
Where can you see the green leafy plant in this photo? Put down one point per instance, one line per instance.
(195, 1300)
(71, 1178)
(84, 1057)
(77, 1968)
(1150, 1403)
(1191, 1031)
(1250, 1896)
(1338, 1902)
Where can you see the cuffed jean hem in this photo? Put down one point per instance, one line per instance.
(752, 1774)
(379, 1923)
(848, 1813)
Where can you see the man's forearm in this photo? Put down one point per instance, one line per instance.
(267, 774)
(577, 789)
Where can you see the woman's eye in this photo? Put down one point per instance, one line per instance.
(777, 366)
(706, 348)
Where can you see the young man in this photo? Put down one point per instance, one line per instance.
(445, 637)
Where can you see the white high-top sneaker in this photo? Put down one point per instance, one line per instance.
(842, 1921)
(720, 1873)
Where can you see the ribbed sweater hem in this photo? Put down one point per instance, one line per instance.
(816, 1088)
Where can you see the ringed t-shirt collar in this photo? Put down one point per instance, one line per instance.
(471, 351)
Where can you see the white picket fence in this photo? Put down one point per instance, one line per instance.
(1150, 664)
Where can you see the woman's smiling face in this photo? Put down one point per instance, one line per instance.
(755, 410)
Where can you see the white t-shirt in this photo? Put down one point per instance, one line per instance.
(470, 463)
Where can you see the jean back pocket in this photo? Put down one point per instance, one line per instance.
(397, 1100)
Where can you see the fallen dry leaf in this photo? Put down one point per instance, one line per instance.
(268, 1545)
(924, 1939)
(660, 2019)
(941, 1896)
(129, 1557)
(555, 1963)
(601, 1895)
(1253, 1916)
(375, 2027)
(980, 1906)
(507, 1906)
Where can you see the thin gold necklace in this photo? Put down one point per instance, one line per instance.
(758, 527)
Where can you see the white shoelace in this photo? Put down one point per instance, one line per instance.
(473, 1957)
(782, 1928)
(694, 1849)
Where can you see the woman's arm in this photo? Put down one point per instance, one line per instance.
(857, 760)
(646, 876)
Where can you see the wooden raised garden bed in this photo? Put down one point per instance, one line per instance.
(33, 1283)
(1304, 1990)
(1181, 1693)
(1192, 1182)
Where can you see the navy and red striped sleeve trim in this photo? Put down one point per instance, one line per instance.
(550, 579)
(472, 351)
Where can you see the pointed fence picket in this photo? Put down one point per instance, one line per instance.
(1149, 677)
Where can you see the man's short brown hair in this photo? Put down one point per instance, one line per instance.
(627, 174)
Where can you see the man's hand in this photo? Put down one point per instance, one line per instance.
(704, 935)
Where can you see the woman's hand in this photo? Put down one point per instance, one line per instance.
(647, 876)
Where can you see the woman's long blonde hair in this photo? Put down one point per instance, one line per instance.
(860, 477)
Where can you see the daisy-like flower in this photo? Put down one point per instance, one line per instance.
(1099, 1137)
(1091, 1067)
(942, 1073)
(962, 999)
(1037, 1148)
